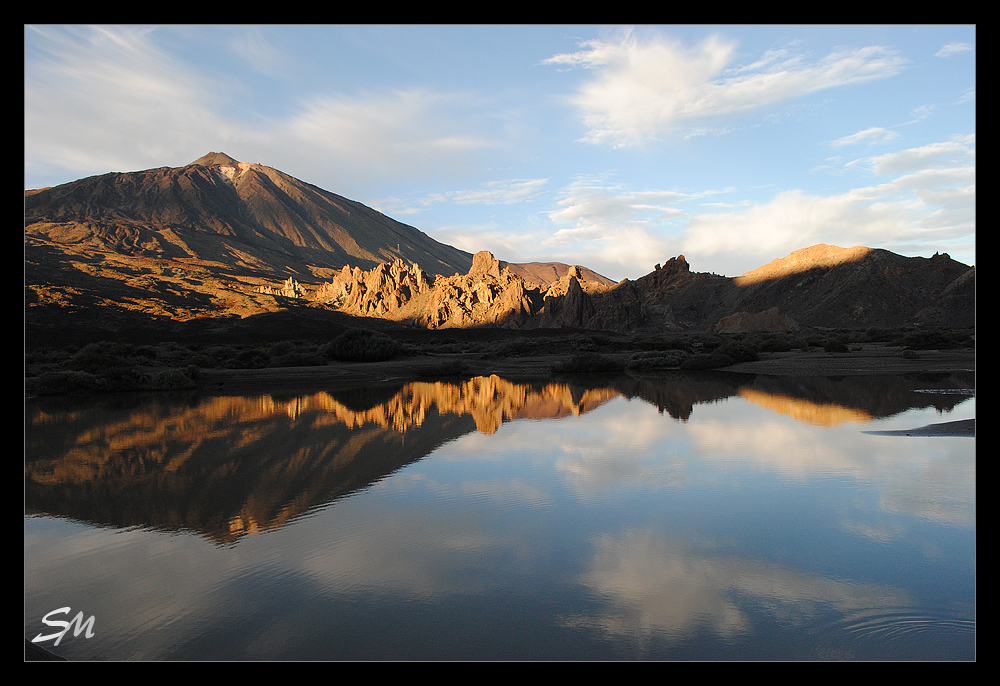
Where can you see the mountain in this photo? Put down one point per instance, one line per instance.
(249, 218)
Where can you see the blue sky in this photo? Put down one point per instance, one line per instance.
(614, 147)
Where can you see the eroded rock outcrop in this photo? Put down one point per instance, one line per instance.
(487, 295)
(379, 292)
(289, 289)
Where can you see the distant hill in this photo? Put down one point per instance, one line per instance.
(821, 286)
(544, 273)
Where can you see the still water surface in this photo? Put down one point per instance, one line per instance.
(714, 516)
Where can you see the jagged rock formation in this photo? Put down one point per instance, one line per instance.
(487, 295)
(378, 292)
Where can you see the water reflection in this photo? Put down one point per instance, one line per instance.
(228, 465)
(707, 516)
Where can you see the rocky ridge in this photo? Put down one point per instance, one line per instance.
(490, 294)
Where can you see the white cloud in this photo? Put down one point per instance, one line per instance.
(954, 49)
(916, 159)
(618, 228)
(645, 87)
(871, 136)
(929, 200)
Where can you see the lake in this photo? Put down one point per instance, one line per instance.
(707, 516)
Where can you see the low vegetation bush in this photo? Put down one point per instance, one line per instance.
(363, 345)
(706, 361)
(61, 382)
(250, 358)
(659, 343)
(175, 379)
(588, 362)
(780, 343)
(112, 380)
(656, 359)
(738, 351)
(935, 339)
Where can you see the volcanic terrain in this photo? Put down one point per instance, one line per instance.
(226, 246)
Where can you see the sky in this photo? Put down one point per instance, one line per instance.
(613, 147)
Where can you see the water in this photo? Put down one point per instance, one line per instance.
(702, 517)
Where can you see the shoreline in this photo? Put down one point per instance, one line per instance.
(866, 361)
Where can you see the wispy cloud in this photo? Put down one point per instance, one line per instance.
(388, 133)
(948, 153)
(644, 87)
(100, 99)
(871, 136)
(503, 192)
(111, 98)
(954, 49)
(253, 47)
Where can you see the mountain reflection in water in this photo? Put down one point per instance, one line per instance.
(227, 465)
(680, 516)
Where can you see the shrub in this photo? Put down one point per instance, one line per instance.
(588, 362)
(249, 359)
(653, 360)
(172, 379)
(835, 345)
(935, 339)
(738, 352)
(363, 345)
(122, 379)
(61, 382)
